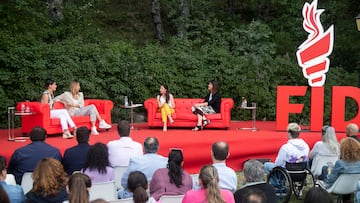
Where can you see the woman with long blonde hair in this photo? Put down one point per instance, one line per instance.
(210, 191)
(78, 188)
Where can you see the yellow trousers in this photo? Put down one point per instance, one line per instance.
(165, 110)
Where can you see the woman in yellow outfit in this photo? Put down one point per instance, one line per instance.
(166, 105)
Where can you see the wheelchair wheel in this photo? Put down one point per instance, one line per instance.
(282, 183)
(300, 188)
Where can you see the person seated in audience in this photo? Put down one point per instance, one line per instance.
(24, 159)
(210, 105)
(349, 162)
(254, 196)
(78, 188)
(50, 182)
(173, 180)
(352, 130)
(74, 157)
(148, 164)
(254, 179)
(166, 105)
(4, 197)
(97, 165)
(227, 176)
(73, 101)
(137, 184)
(324, 151)
(317, 194)
(210, 190)
(62, 114)
(99, 201)
(121, 150)
(15, 192)
(294, 151)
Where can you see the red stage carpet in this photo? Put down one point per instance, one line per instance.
(244, 144)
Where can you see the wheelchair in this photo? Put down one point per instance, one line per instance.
(295, 177)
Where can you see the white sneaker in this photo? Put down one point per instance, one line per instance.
(104, 125)
(94, 131)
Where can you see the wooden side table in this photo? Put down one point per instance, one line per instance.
(11, 124)
(253, 117)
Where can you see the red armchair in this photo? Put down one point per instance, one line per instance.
(41, 115)
(183, 115)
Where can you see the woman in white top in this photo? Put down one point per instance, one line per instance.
(74, 103)
(62, 114)
(327, 150)
(166, 105)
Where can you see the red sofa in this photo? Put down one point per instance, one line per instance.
(183, 115)
(41, 115)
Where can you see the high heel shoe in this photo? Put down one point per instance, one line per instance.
(206, 122)
(197, 128)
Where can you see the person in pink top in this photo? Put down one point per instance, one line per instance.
(210, 191)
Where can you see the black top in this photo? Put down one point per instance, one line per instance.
(214, 102)
(268, 190)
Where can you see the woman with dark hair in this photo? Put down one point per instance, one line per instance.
(210, 105)
(138, 184)
(166, 105)
(172, 180)
(50, 182)
(78, 188)
(97, 165)
(62, 114)
(210, 191)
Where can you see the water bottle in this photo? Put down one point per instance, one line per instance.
(244, 103)
(126, 101)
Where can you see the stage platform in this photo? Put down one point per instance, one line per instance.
(196, 145)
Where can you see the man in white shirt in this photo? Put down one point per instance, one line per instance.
(120, 151)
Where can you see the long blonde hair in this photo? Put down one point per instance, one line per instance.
(72, 87)
(329, 138)
(209, 178)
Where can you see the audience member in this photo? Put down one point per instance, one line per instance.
(254, 196)
(172, 180)
(324, 151)
(148, 164)
(166, 105)
(24, 159)
(73, 101)
(138, 184)
(50, 182)
(294, 151)
(227, 176)
(62, 114)
(316, 195)
(209, 189)
(352, 130)
(97, 165)
(15, 192)
(99, 201)
(78, 188)
(120, 151)
(254, 179)
(210, 105)
(4, 197)
(74, 157)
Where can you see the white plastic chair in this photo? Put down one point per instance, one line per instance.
(319, 161)
(119, 171)
(344, 184)
(27, 182)
(195, 180)
(171, 198)
(10, 179)
(105, 190)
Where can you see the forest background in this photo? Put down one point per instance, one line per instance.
(131, 47)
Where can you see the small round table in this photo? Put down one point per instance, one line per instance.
(253, 116)
(132, 107)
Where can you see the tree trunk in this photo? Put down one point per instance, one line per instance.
(155, 11)
(184, 15)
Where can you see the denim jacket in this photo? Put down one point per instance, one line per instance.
(342, 167)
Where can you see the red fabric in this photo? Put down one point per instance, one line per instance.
(42, 115)
(183, 115)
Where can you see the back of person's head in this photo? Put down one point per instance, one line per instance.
(151, 145)
(49, 177)
(329, 138)
(254, 171)
(78, 188)
(352, 129)
(209, 179)
(123, 128)
(254, 196)
(317, 194)
(294, 130)
(99, 201)
(82, 134)
(216, 86)
(349, 150)
(48, 82)
(138, 184)
(2, 163)
(37, 134)
(4, 197)
(175, 161)
(220, 150)
(97, 158)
